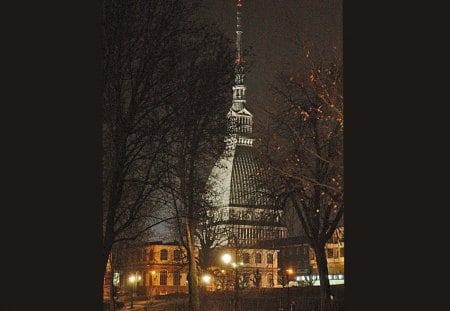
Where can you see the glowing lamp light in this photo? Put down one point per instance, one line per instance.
(132, 279)
(153, 272)
(234, 265)
(206, 278)
(226, 258)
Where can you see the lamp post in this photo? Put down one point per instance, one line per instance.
(288, 273)
(226, 258)
(133, 280)
(152, 273)
(206, 279)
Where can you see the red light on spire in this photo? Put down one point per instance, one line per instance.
(239, 4)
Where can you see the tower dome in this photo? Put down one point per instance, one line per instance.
(237, 185)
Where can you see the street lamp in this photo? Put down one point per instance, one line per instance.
(226, 258)
(152, 273)
(288, 273)
(133, 279)
(206, 279)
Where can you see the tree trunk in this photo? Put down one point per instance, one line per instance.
(112, 305)
(325, 301)
(101, 278)
(194, 298)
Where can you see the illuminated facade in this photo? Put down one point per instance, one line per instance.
(249, 267)
(243, 211)
(334, 251)
(158, 268)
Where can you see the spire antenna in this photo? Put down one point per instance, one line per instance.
(238, 32)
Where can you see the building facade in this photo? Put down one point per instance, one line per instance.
(334, 250)
(153, 269)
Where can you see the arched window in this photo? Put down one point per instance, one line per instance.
(270, 258)
(163, 254)
(246, 258)
(258, 258)
(163, 277)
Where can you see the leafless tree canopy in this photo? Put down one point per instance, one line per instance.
(303, 151)
(164, 77)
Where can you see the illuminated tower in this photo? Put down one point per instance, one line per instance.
(243, 211)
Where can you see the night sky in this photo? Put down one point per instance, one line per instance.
(276, 32)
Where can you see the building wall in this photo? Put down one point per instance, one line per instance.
(157, 274)
(248, 267)
(334, 251)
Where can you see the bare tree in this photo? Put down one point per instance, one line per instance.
(304, 155)
(198, 135)
(140, 46)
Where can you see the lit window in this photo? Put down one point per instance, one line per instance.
(163, 278)
(258, 258)
(246, 258)
(329, 252)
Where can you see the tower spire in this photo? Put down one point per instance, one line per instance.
(240, 119)
(239, 87)
(238, 32)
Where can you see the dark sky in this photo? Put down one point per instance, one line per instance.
(276, 31)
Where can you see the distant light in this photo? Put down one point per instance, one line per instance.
(132, 279)
(226, 258)
(234, 265)
(206, 278)
(239, 4)
(153, 272)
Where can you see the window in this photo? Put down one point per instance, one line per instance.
(329, 252)
(258, 258)
(150, 255)
(163, 277)
(246, 258)
(341, 252)
(336, 253)
(269, 258)
(163, 254)
(270, 279)
(176, 278)
(177, 255)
